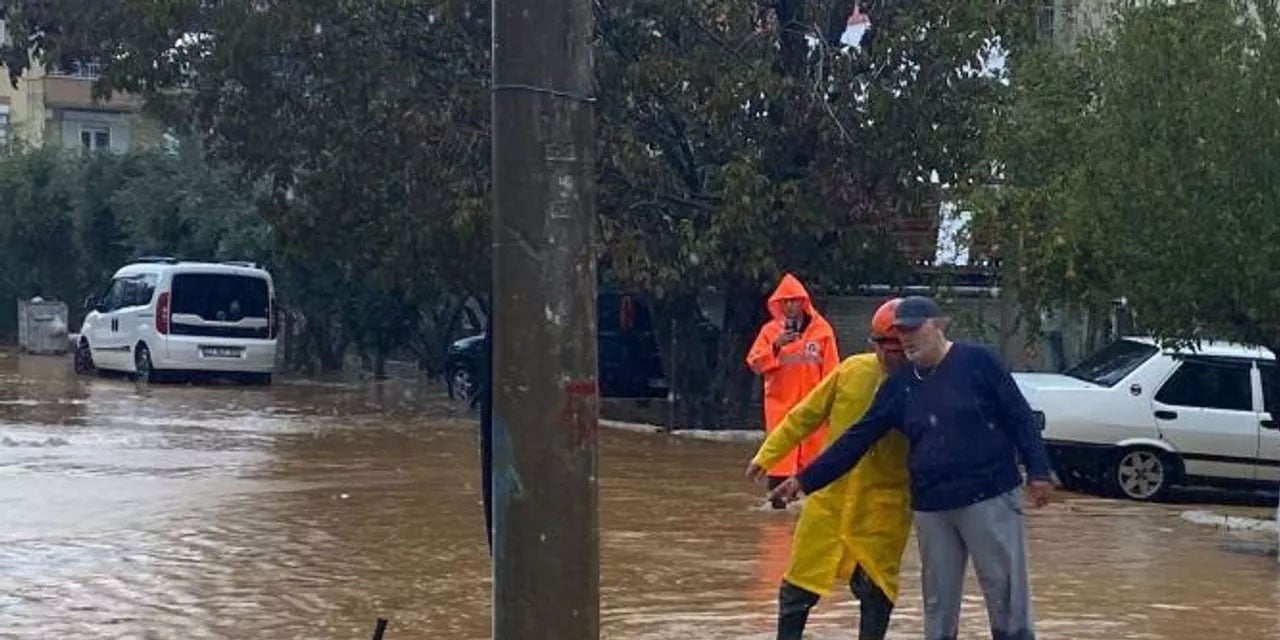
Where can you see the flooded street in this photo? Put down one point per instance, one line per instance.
(308, 510)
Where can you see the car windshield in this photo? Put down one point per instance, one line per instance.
(1114, 363)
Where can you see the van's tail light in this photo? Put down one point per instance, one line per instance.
(162, 314)
(274, 315)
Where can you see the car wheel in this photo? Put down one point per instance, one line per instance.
(1142, 474)
(462, 385)
(84, 358)
(144, 370)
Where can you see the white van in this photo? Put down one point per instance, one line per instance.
(162, 315)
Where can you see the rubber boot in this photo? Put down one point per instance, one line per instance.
(794, 604)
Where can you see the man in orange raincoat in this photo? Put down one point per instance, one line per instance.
(795, 350)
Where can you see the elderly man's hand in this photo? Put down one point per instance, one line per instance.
(787, 492)
(1039, 492)
(755, 472)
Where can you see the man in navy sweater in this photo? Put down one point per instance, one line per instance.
(967, 424)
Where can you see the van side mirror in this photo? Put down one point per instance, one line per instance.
(90, 303)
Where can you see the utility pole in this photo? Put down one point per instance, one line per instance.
(545, 411)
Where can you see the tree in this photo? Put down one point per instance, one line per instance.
(363, 126)
(742, 140)
(738, 140)
(1143, 165)
(36, 226)
(69, 220)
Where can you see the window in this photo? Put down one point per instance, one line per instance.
(1113, 364)
(4, 125)
(228, 306)
(1048, 18)
(1270, 402)
(149, 282)
(114, 297)
(1210, 384)
(139, 290)
(221, 298)
(95, 138)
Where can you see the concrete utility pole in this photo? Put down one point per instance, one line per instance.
(545, 412)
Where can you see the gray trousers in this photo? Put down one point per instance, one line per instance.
(992, 533)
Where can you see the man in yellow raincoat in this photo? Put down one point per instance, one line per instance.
(855, 530)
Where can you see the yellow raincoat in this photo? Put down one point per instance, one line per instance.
(863, 518)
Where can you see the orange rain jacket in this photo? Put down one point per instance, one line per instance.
(793, 371)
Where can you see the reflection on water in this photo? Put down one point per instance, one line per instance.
(307, 511)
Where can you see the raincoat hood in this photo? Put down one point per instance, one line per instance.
(793, 369)
(789, 289)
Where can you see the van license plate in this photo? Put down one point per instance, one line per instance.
(221, 352)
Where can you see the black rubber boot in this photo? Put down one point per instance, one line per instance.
(875, 607)
(794, 604)
(1012, 635)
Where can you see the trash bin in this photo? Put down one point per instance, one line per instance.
(42, 326)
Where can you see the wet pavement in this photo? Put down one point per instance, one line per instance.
(309, 510)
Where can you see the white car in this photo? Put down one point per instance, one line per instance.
(1135, 419)
(164, 316)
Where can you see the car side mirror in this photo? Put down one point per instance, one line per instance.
(90, 303)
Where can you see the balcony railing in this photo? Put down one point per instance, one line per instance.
(79, 69)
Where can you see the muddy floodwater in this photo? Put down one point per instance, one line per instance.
(309, 510)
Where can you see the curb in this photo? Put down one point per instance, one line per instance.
(729, 435)
(1230, 523)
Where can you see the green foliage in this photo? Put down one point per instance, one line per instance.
(1143, 165)
(362, 126)
(738, 143)
(181, 205)
(37, 218)
(364, 122)
(68, 220)
(736, 140)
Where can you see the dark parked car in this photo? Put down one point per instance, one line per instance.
(630, 361)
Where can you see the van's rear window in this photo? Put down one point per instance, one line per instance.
(220, 297)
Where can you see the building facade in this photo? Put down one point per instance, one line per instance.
(55, 106)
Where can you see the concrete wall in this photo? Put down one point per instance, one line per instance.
(1073, 20)
(1078, 19)
(992, 319)
(985, 319)
(26, 108)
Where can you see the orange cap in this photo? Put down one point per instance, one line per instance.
(882, 322)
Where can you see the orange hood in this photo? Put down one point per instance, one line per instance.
(789, 289)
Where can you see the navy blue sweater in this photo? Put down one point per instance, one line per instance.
(966, 421)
